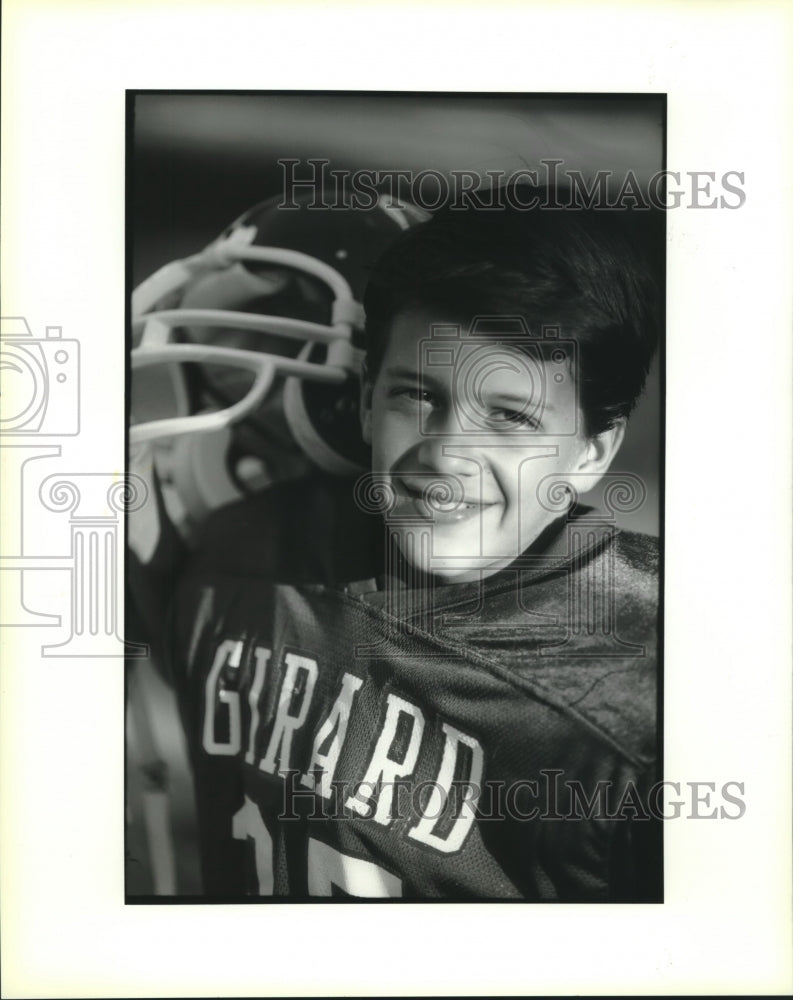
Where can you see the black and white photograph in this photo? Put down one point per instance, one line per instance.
(396, 368)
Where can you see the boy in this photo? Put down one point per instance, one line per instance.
(472, 714)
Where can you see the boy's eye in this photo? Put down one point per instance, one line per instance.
(414, 393)
(513, 418)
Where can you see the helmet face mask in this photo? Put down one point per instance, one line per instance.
(261, 335)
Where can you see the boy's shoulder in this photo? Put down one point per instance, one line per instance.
(581, 631)
(299, 531)
(639, 553)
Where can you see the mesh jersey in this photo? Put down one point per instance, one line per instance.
(488, 740)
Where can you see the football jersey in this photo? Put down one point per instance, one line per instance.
(486, 740)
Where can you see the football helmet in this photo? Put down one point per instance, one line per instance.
(246, 356)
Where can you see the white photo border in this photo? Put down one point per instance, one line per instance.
(725, 926)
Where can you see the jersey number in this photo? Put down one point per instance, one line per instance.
(327, 867)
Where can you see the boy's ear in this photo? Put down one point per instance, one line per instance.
(598, 455)
(365, 409)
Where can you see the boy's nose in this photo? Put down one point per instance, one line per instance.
(448, 450)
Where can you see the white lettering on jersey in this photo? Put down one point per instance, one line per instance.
(262, 657)
(383, 770)
(247, 824)
(298, 669)
(465, 810)
(354, 876)
(229, 653)
(338, 720)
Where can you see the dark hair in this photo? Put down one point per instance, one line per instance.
(593, 273)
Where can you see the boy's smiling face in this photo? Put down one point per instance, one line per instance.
(464, 446)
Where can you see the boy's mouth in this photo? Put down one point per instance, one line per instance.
(437, 500)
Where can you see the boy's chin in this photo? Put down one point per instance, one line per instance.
(449, 563)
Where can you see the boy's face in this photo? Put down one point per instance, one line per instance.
(465, 445)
